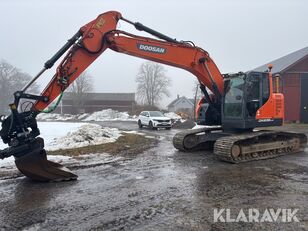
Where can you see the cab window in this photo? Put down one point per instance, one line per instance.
(234, 97)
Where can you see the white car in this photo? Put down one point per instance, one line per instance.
(154, 119)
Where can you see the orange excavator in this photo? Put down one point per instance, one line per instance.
(238, 103)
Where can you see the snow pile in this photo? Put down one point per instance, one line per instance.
(173, 116)
(55, 117)
(197, 126)
(82, 116)
(7, 163)
(63, 135)
(87, 134)
(109, 114)
(104, 115)
(50, 130)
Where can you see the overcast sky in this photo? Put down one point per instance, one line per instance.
(239, 34)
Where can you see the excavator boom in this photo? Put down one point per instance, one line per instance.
(95, 37)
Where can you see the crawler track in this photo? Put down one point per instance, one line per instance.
(194, 139)
(258, 145)
(237, 148)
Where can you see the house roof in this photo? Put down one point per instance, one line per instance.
(192, 101)
(174, 102)
(104, 96)
(285, 62)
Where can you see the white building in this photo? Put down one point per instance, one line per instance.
(181, 104)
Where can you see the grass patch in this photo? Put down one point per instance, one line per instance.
(125, 144)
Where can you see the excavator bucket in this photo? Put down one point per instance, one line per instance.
(36, 166)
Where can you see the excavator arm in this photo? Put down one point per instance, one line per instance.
(20, 131)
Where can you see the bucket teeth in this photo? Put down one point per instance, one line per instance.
(36, 166)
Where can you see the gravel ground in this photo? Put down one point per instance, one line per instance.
(160, 189)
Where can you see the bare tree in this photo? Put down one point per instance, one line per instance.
(11, 80)
(152, 83)
(80, 88)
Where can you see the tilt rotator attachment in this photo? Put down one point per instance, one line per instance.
(20, 132)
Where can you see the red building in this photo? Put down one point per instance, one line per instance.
(293, 69)
(92, 102)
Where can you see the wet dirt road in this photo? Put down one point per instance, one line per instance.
(161, 189)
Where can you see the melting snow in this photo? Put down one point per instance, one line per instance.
(204, 126)
(87, 134)
(52, 130)
(7, 163)
(109, 114)
(55, 117)
(64, 135)
(104, 115)
(173, 115)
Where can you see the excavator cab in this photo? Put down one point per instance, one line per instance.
(244, 96)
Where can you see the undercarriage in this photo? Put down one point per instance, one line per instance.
(240, 147)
